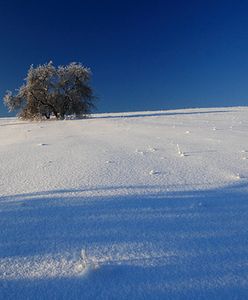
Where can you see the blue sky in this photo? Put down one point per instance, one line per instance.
(144, 55)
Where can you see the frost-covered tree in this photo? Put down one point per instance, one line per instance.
(53, 91)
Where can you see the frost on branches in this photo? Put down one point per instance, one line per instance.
(50, 91)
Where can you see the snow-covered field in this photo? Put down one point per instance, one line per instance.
(158, 200)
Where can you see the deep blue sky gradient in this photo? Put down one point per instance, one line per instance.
(144, 55)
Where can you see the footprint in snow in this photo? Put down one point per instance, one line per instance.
(152, 172)
(244, 152)
(139, 151)
(239, 176)
(151, 149)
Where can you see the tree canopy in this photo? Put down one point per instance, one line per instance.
(50, 91)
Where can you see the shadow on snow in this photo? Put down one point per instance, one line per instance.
(159, 114)
(175, 245)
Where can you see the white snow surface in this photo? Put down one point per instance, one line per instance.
(157, 202)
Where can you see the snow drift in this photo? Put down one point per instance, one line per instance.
(158, 200)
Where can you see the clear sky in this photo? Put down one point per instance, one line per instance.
(144, 55)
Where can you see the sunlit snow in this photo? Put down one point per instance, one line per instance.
(144, 205)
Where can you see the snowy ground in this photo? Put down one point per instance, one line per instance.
(159, 200)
